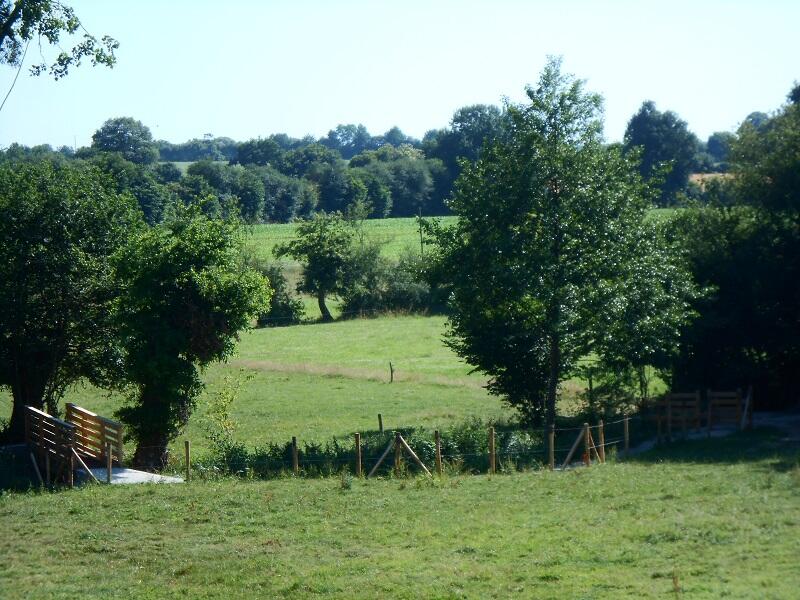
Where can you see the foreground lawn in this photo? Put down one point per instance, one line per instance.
(651, 528)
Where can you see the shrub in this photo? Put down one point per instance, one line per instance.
(284, 307)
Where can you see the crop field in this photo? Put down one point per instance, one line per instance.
(708, 519)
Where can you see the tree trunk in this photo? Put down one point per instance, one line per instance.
(553, 377)
(327, 317)
(27, 390)
(152, 452)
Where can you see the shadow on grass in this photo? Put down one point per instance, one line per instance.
(766, 445)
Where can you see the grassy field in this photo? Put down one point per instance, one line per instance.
(323, 380)
(709, 519)
(394, 235)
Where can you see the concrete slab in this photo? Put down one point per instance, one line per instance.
(122, 475)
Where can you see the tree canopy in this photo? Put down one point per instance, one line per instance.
(59, 226)
(129, 137)
(48, 21)
(551, 259)
(184, 297)
(667, 149)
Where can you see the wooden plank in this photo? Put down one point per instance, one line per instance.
(551, 447)
(492, 455)
(83, 464)
(380, 460)
(358, 454)
(438, 440)
(572, 450)
(413, 455)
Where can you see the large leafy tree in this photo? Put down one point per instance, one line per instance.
(49, 21)
(184, 297)
(129, 137)
(550, 259)
(59, 226)
(748, 255)
(323, 245)
(668, 149)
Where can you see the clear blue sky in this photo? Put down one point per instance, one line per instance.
(245, 69)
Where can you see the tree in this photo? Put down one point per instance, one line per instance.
(21, 21)
(59, 226)
(129, 137)
(547, 252)
(184, 297)
(323, 244)
(667, 147)
(748, 255)
(718, 145)
(258, 152)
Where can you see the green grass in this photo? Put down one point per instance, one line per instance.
(394, 235)
(323, 380)
(674, 524)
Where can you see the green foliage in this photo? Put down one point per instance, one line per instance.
(551, 258)
(284, 307)
(129, 137)
(59, 225)
(184, 296)
(323, 245)
(668, 149)
(748, 255)
(49, 21)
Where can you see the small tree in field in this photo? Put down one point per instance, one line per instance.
(323, 245)
(551, 259)
(185, 295)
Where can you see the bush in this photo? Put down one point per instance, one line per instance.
(284, 307)
(375, 284)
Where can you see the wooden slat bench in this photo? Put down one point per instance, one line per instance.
(94, 432)
(724, 408)
(676, 409)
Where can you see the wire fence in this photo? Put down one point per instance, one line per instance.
(464, 449)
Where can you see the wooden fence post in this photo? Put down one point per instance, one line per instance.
(71, 474)
(380, 423)
(438, 441)
(358, 455)
(188, 457)
(601, 432)
(669, 420)
(659, 435)
(551, 446)
(295, 457)
(47, 466)
(587, 445)
(627, 436)
(108, 462)
(710, 411)
(398, 453)
(492, 456)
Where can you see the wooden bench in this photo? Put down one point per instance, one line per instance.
(725, 408)
(53, 442)
(95, 433)
(677, 409)
(81, 435)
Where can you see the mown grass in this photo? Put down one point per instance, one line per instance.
(669, 525)
(324, 380)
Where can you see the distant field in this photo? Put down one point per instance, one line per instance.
(324, 380)
(702, 520)
(394, 235)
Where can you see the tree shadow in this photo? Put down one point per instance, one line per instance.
(767, 445)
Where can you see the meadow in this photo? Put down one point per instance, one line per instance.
(706, 519)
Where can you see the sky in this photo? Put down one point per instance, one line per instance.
(246, 69)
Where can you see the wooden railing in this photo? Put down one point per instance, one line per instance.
(53, 440)
(93, 433)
